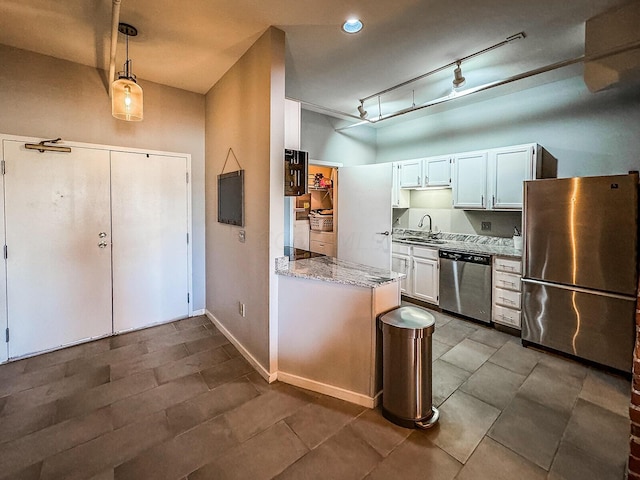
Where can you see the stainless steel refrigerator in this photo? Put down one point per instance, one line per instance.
(580, 267)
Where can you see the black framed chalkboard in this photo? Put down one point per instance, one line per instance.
(231, 198)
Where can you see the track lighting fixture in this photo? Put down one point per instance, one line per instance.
(363, 112)
(458, 79)
(126, 94)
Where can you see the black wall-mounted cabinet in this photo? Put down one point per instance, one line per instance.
(296, 163)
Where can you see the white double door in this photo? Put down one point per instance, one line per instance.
(96, 243)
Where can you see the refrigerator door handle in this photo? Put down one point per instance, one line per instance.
(578, 289)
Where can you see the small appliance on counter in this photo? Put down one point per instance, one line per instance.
(580, 267)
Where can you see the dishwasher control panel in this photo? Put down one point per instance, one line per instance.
(466, 257)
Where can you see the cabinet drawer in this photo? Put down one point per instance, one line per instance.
(400, 248)
(322, 247)
(508, 265)
(507, 281)
(506, 316)
(425, 252)
(325, 237)
(508, 298)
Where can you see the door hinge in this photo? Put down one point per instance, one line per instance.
(188, 298)
(7, 335)
(187, 176)
(3, 167)
(5, 252)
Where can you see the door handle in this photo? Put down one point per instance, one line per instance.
(383, 233)
(102, 244)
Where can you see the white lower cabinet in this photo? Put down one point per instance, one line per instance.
(507, 296)
(401, 263)
(425, 280)
(420, 264)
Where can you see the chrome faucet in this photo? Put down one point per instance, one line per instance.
(421, 222)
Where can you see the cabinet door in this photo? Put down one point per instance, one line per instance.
(437, 172)
(411, 173)
(399, 197)
(470, 180)
(425, 280)
(512, 166)
(402, 264)
(58, 235)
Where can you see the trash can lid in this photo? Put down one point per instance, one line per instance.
(413, 318)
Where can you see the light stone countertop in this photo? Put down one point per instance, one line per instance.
(330, 269)
(462, 243)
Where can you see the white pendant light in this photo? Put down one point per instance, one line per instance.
(126, 94)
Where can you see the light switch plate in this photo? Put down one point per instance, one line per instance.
(486, 226)
(241, 236)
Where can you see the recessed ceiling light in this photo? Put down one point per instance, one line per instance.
(352, 25)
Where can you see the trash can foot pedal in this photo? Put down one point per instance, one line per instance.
(429, 422)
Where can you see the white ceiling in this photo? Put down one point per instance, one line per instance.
(190, 45)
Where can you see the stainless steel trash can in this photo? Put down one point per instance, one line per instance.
(406, 367)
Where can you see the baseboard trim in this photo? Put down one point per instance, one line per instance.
(332, 391)
(196, 313)
(264, 373)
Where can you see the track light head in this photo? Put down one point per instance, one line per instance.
(458, 79)
(363, 112)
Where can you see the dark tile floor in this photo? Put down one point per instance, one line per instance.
(177, 401)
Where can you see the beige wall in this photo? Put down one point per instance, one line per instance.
(45, 97)
(245, 112)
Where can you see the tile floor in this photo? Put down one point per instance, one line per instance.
(177, 401)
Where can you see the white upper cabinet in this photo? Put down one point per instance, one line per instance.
(399, 198)
(470, 180)
(493, 179)
(511, 167)
(411, 173)
(437, 171)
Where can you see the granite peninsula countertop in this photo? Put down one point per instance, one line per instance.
(330, 269)
(461, 243)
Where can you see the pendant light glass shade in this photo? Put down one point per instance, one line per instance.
(126, 94)
(126, 100)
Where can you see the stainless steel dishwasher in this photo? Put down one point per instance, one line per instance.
(465, 284)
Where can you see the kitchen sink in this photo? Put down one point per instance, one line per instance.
(422, 240)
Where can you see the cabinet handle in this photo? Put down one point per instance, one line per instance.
(482, 200)
(418, 179)
(426, 180)
(493, 199)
